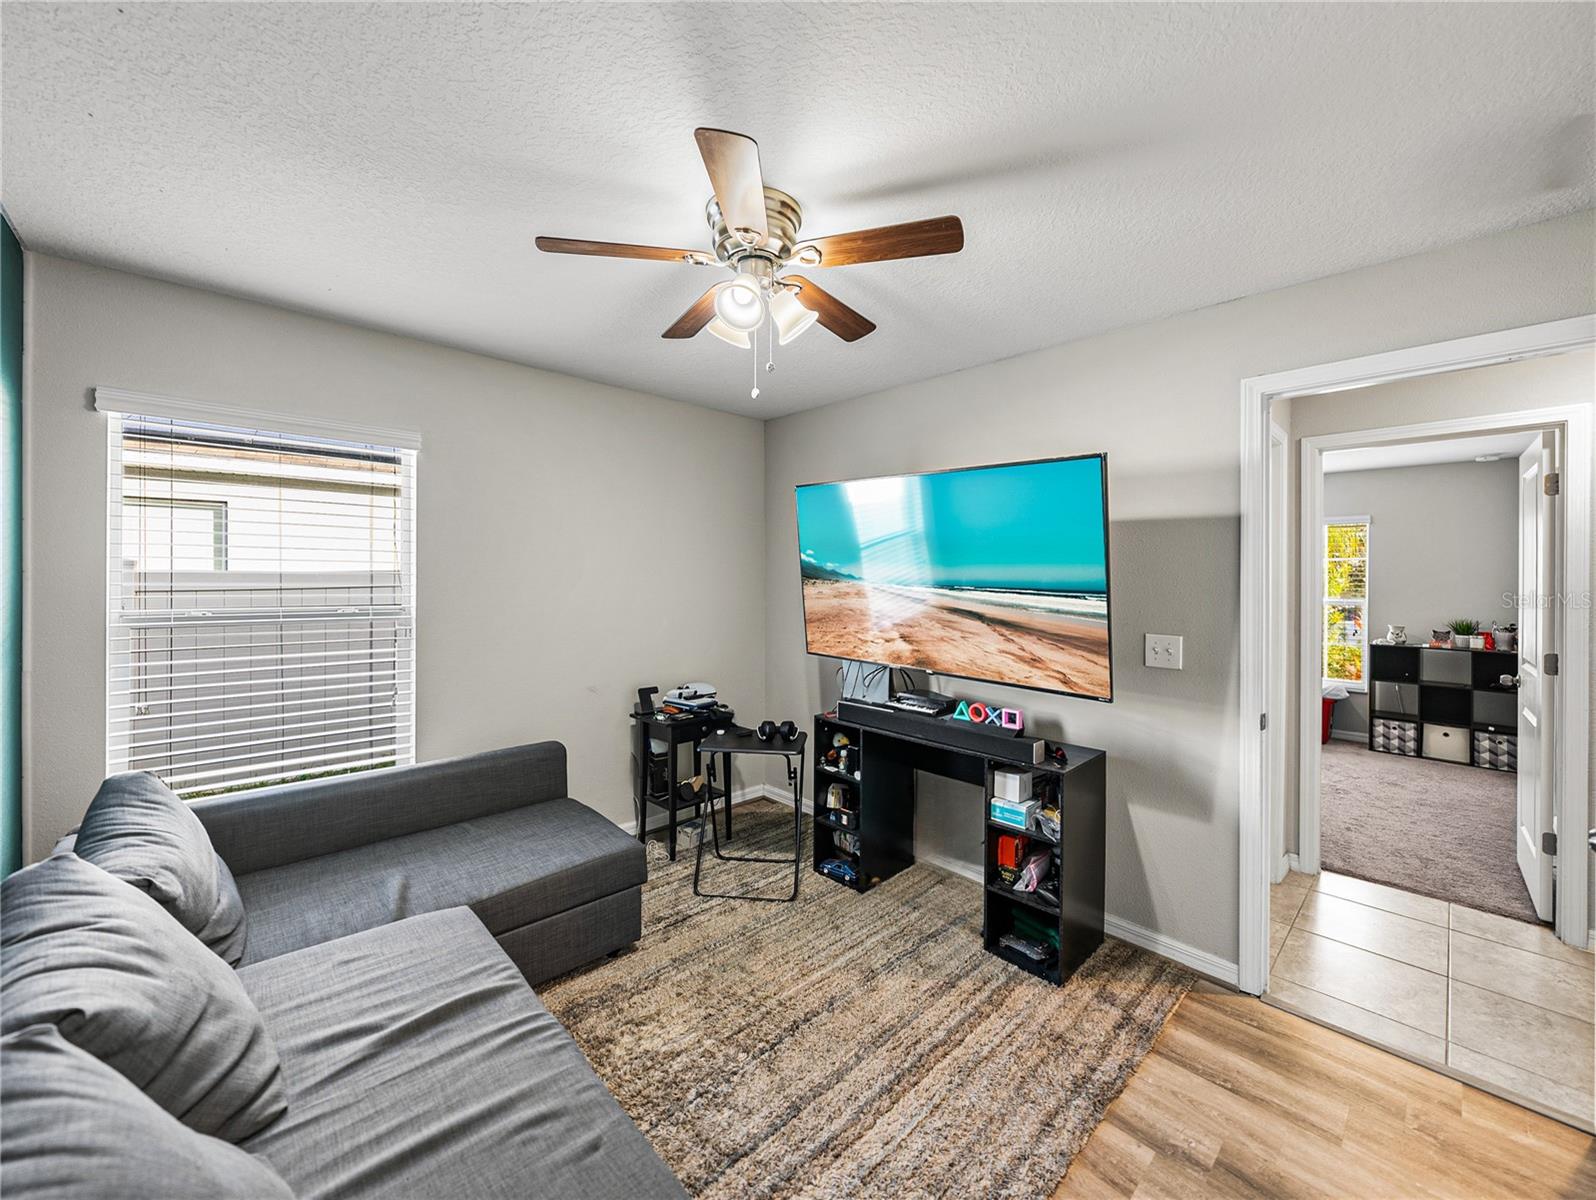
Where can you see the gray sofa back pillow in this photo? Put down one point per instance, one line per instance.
(268, 827)
(137, 829)
(121, 979)
(73, 1128)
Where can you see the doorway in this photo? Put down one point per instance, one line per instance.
(1431, 977)
(1418, 569)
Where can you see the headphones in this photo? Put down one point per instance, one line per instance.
(769, 729)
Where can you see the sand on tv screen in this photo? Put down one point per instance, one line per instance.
(992, 573)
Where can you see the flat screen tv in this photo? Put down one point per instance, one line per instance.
(993, 573)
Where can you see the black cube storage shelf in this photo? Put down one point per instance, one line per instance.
(1444, 704)
(876, 829)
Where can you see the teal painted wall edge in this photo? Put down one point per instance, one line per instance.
(10, 550)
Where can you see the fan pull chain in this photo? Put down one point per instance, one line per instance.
(770, 354)
(754, 393)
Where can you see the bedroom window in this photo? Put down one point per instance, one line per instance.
(261, 615)
(1346, 601)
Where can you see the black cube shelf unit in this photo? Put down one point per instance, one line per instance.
(876, 839)
(1446, 704)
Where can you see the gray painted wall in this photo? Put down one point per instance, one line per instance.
(1443, 543)
(536, 546)
(1163, 400)
(541, 557)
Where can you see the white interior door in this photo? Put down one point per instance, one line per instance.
(1536, 632)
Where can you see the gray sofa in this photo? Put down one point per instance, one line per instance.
(557, 884)
(388, 1041)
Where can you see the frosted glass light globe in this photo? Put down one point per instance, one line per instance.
(740, 304)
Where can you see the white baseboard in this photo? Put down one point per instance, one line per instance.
(1350, 735)
(1214, 967)
(954, 866)
(1220, 970)
(1201, 961)
(1288, 862)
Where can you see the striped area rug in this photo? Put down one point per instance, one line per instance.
(848, 1045)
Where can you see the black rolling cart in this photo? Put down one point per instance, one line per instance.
(723, 746)
(655, 774)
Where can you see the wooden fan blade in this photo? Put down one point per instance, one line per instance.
(833, 313)
(696, 317)
(623, 250)
(732, 161)
(916, 239)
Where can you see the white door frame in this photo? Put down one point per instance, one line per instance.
(1278, 618)
(1573, 698)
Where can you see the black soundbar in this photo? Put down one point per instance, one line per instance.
(964, 735)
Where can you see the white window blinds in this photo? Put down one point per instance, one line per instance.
(261, 623)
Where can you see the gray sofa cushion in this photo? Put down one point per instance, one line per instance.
(511, 868)
(139, 831)
(74, 1128)
(420, 1064)
(108, 966)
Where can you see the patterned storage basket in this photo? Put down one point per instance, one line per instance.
(1498, 751)
(1395, 737)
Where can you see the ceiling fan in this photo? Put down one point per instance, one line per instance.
(756, 236)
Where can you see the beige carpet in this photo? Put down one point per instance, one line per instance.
(1436, 828)
(850, 1045)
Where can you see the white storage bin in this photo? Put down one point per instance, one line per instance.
(1449, 743)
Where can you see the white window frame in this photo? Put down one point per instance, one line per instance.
(117, 403)
(1326, 600)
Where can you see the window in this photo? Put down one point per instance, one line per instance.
(261, 616)
(189, 535)
(1346, 602)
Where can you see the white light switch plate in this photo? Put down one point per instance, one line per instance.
(1164, 650)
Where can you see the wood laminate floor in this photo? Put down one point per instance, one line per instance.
(1241, 1099)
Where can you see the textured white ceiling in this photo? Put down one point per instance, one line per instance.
(390, 164)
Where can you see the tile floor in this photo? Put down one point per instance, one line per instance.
(1502, 1001)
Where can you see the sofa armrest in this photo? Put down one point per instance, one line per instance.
(272, 826)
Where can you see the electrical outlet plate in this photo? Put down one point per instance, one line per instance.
(1164, 650)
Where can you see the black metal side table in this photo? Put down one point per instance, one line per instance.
(724, 745)
(688, 729)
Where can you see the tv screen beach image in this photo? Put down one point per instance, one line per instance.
(992, 573)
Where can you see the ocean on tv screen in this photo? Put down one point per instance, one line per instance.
(996, 573)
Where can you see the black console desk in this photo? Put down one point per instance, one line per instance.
(878, 793)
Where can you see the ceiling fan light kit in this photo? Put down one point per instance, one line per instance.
(754, 232)
(791, 317)
(732, 337)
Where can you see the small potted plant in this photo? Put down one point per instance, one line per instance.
(1465, 634)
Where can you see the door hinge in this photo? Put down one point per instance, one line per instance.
(1553, 484)
(1549, 843)
(1549, 664)
(1263, 720)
